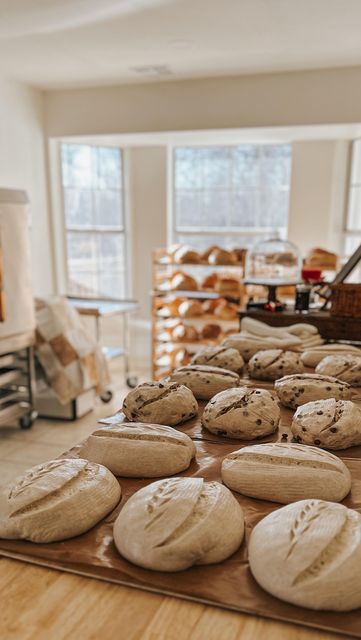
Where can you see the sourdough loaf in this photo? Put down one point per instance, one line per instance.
(344, 367)
(160, 403)
(57, 500)
(332, 424)
(299, 388)
(220, 357)
(242, 413)
(138, 450)
(205, 381)
(271, 364)
(309, 553)
(175, 523)
(286, 473)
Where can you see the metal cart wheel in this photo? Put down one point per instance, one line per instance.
(27, 421)
(132, 381)
(106, 396)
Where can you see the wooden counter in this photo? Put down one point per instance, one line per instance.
(43, 604)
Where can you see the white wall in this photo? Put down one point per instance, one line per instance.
(318, 193)
(22, 166)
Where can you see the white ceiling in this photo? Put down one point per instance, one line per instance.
(66, 43)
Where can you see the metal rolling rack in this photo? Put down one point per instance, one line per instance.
(17, 380)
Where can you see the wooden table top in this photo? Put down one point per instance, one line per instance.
(44, 604)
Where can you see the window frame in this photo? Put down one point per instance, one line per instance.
(99, 230)
(173, 231)
(349, 232)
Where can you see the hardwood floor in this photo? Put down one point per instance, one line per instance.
(21, 449)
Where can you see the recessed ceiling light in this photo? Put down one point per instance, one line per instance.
(181, 43)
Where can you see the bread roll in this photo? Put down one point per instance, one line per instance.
(190, 308)
(183, 282)
(301, 388)
(176, 523)
(242, 413)
(184, 333)
(240, 255)
(57, 500)
(208, 252)
(286, 473)
(228, 287)
(160, 403)
(221, 256)
(186, 255)
(180, 357)
(321, 258)
(272, 364)
(309, 553)
(312, 357)
(226, 311)
(220, 357)
(210, 281)
(210, 306)
(211, 331)
(332, 424)
(204, 381)
(346, 368)
(137, 450)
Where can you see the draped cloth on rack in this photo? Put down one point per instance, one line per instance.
(71, 358)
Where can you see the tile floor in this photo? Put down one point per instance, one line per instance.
(21, 449)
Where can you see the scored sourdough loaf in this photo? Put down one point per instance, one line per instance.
(138, 450)
(160, 403)
(346, 368)
(57, 500)
(220, 357)
(299, 388)
(176, 523)
(286, 472)
(271, 364)
(242, 413)
(205, 381)
(332, 424)
(309, 553)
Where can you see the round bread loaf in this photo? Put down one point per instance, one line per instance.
(299, 388)
(242, 413)
(57, 500)
(346, 368)
(220, 357)
(272, 364)
(159, 403)
(137, 450)
(205, 381)
(332, 424)
(190, 308)
(176, 523)
(309, 553)
(286, 473)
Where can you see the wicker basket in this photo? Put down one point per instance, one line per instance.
(346, 300)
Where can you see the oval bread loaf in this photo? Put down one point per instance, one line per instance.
(176, 523)
(221, 357)
(160, 403)
(57, 500)
(298, 389)
(286, 473)
(242, 413)
(332, 424)
(271, 364)
(205, 381)
(309, 553)
(138, 450)
(312, 357)
(346, 368)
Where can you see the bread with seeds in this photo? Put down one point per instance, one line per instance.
(205, 381)
(331, 424)
(344, 367)
(57, 500)
(160, 403)
(173, 524)
(271, 364)
(299, 388)
(309, 554)
(221, 357)
(242, 413)
(286, 473)
(138, 450)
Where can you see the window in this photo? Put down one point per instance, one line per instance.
(230, 196)
(92, 179)
(353, 215)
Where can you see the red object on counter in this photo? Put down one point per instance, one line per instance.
(311, 275)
